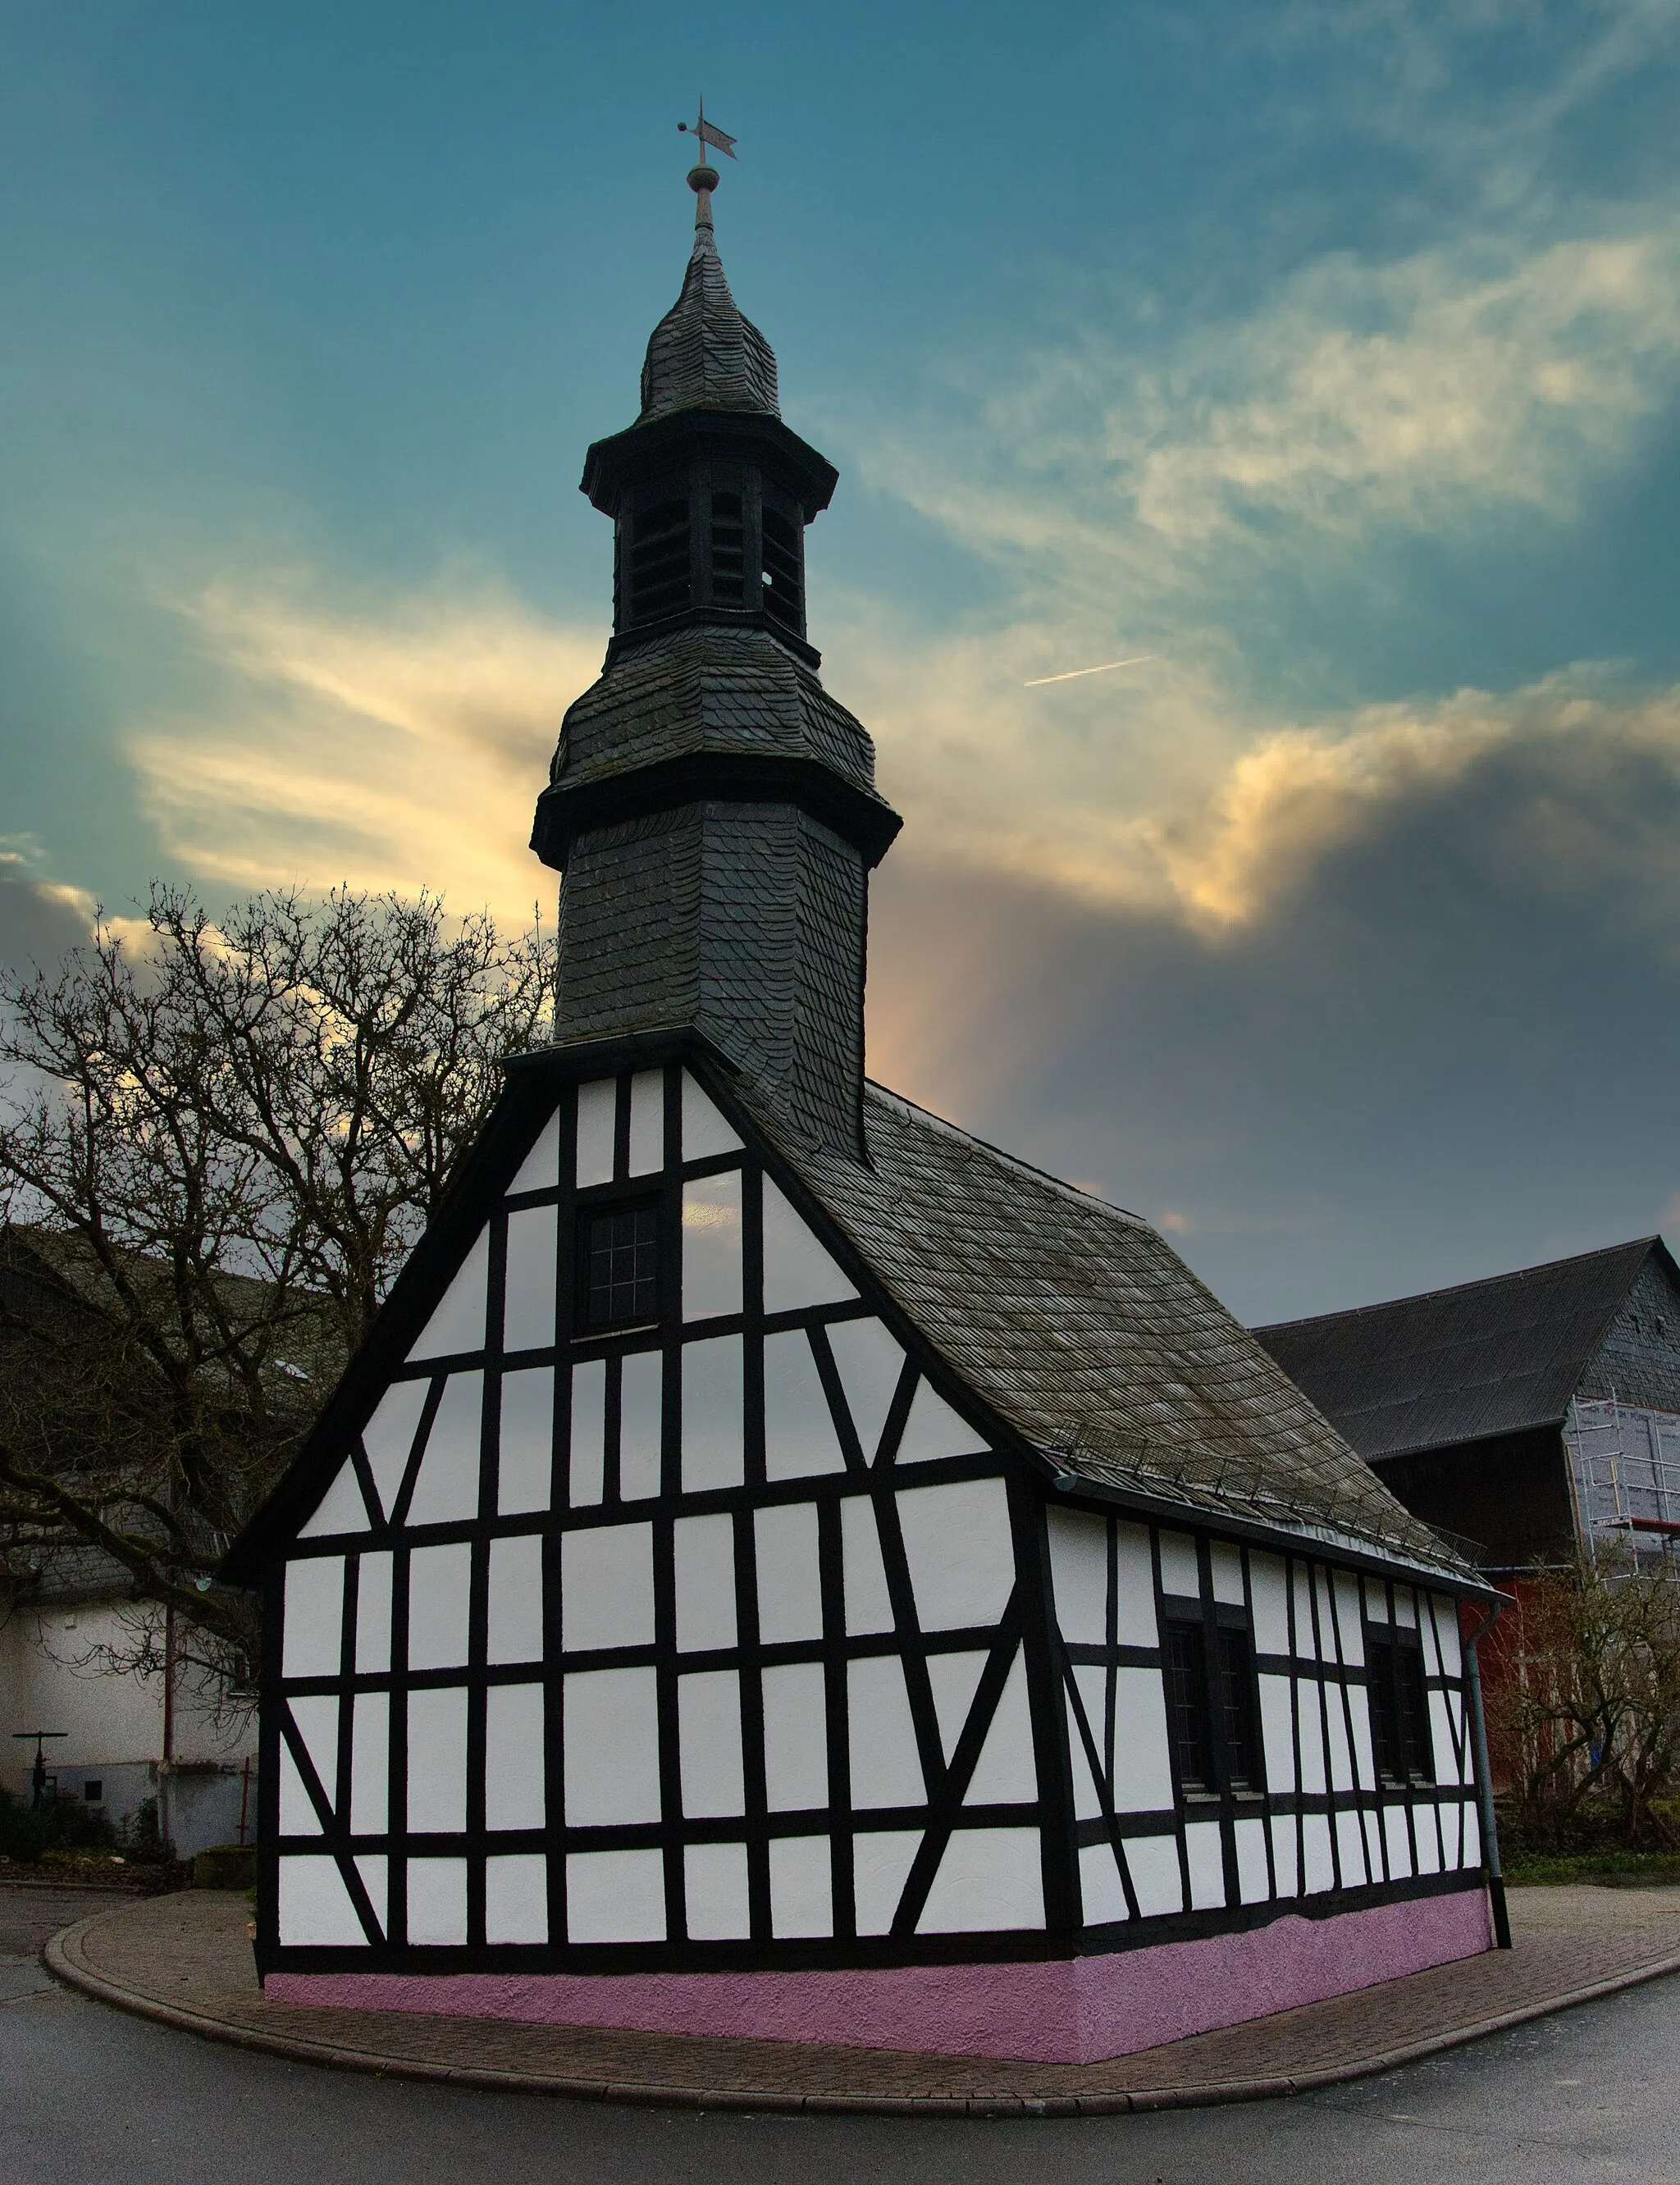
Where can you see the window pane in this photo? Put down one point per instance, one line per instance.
(1185, 1662)
(622, 1270)
(1236, 1702)
(1385, 1721)
(1418, 1759)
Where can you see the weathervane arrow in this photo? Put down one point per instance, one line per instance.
(717, 138)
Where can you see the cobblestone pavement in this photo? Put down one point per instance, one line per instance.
(187, 1956)
(1584, 2097)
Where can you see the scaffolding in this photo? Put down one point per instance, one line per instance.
(1624, 1477)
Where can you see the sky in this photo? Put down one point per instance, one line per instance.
(1326, 354)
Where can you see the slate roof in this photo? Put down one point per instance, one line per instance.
(1460, 1364)
(711, 690)
(705, 354)
(1081, 1326)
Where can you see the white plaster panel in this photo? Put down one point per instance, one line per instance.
(440, 1590)
(458, 1321)
(1135, 1622)
(790, 1582)
(934, 1430)
(1143, 1773)
(607, 1587)
(881, 1865)
(1277, 1732)
(341, 1508)
(387, 1437)
(712, 1447)
(640, 1425)
(373, 1871)
(1155, 1874)
(1472, 1838)
(516, 1897)
(1442, 1727)
(886, 1767)
(1364, 1759)
(1079, 1553)
(297, 1816)
(868, 1606)
(526, 1461)
(1397, 1842)
(647, 1122)
(1350, 1844)
(528, 1317)
(1270, 1592)
(1092, 1682)
(447, 1487)
(796, 1738)
(961, 1557)
(615, 1896)
(870, 1364)
(802, 1885)
(1306, 1640)
(314, 1616)
(437, 1761)
(799, 1436)
(1448, 1637)
(1406, 1608)
(1204, 1856)
(1006, 1773)
(316, 1718)
(612, 1741)
(540, 1170)
(437, 1901)
(988, 1880)
(797, 1271)
(1315, 1841)
(515, 1602)
(704, 1563)
(513, 1758)
(1102, 1894)
(587, 1468)
(1376, 1600)
(1338, 1759)
(1181, 1573)
(711, 1245)
(1310, 1720)
(370, 1764)
(708, 1735)
(1372, 1824)
(1323, 1601)
(704, 1131)
(597, 1111)
(954, 1677)
(315, 1905)
(1254, 1879)
(1350, 1624)
(1225, 1561)
(715, 1878)
(1427, 1837)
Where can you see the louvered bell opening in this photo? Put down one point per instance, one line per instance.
(659, 580)
(729, 551)
(783, 589)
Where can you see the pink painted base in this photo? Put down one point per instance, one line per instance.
(1071, 2010)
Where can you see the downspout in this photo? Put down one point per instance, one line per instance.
(1484, 1777)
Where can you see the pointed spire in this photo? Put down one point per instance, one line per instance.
(705, 354)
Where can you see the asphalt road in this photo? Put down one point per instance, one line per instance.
(88, 2094)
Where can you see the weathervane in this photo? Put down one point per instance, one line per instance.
(703, 178)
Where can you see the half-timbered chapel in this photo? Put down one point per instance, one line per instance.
(780, 1566)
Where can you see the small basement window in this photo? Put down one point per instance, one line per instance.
(93, 1790)
(1399, 1707)
(619, 1285)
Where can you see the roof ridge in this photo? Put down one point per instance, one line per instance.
(1455, 1289)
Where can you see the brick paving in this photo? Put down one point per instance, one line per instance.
(187, 1959)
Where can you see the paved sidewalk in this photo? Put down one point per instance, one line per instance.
(186, 1960)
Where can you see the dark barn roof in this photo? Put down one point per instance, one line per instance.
(1465, 1364)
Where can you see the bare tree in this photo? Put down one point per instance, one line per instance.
(221, 1144)
(1586, 1708)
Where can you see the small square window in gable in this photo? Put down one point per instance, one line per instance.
(618, 1267)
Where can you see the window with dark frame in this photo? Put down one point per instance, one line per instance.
(1211, 1719)
(1236, 1710)
(1399, 1701)
(1184, 1659)
(618, 1284)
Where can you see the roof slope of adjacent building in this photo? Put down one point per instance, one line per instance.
(1461, 1365)
(1080, 1326)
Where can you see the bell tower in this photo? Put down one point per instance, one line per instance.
(712, 810)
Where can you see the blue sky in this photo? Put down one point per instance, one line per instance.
(1329, 354)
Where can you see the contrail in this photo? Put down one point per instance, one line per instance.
(1073, 673)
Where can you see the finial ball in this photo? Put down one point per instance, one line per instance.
(703, 178)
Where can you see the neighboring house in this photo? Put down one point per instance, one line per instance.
(162, 1754)
(779, 1564)
(1536, 1414)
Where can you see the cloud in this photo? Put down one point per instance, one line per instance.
(398, 742)
(40, 920)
